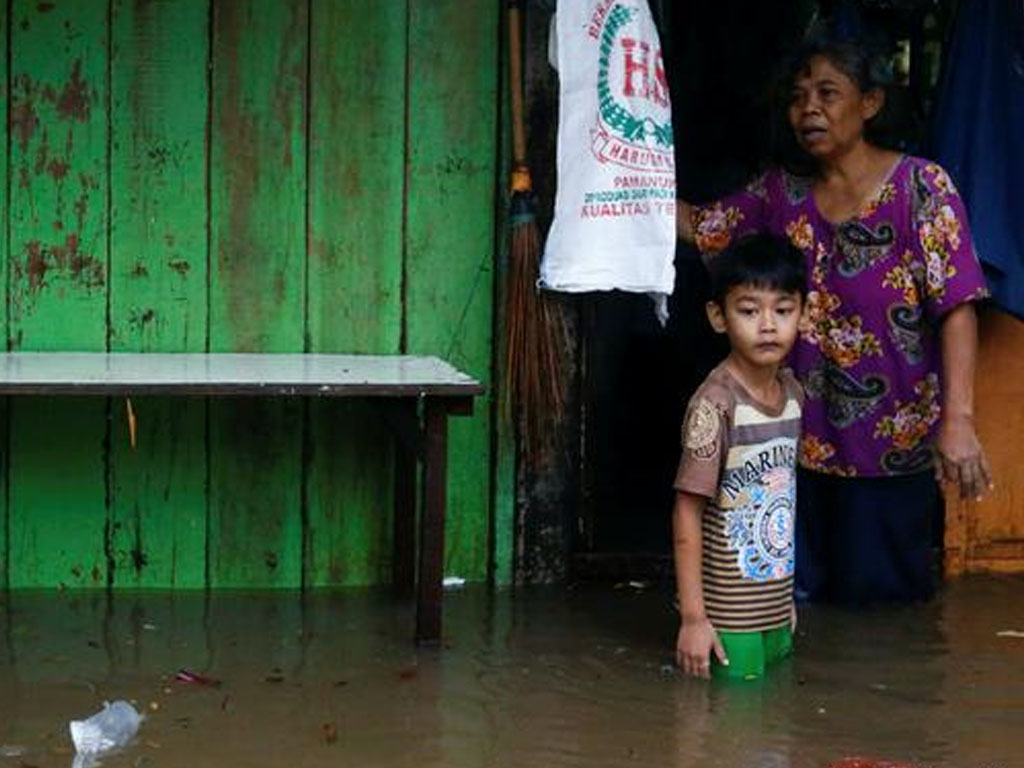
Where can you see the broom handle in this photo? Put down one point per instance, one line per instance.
(515, 72)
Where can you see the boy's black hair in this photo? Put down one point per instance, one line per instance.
(762, 260)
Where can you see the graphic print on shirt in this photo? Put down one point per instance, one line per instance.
(758, 510)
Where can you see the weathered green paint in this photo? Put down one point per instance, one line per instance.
(255, 525)
(356, 167)
(58, 146)
(57, 489)
(349, 496)
(158, 493)
(453, 91)
(4, 520)
(229, 230)
(57, 291)
(159, 117)
(257, 282)
(357, 134)
(158, 282)
(4, 445)
(503, 446)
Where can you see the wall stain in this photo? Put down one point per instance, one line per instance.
(180, 266)
(74, 100)
(84, 270)
(24, 119)
(35, 265)
(58, 169)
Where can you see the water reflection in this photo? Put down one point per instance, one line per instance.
(547, 677)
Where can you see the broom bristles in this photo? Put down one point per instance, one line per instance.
(534, 343)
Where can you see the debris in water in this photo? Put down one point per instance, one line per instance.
(132, 424)
(867, 762)
(632, 584)
(112, 727)
(186, 676)
(330, 733)
(453, 582)
(1010, 633)
(407, 674)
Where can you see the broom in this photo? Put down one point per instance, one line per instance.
(534, 376)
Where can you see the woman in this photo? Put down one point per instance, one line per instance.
(888, 351)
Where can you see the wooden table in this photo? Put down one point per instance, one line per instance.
(416, 395)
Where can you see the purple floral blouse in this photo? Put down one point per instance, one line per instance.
(878, 285)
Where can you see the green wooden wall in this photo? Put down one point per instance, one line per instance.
(243, 175)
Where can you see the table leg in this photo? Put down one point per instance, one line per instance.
(435, 459)
(403, 566)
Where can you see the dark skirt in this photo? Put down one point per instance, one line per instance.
(866, 540)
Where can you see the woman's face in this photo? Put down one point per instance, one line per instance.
(827, 109)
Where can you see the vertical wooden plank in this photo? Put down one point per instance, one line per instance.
(57, 298)
(5, 228)
(5, 548)
(452, 133)
(988, 536)
(257, 279)
(59, 162)
(357, 141)
(503, 489)
(357, 136)
(158, 281)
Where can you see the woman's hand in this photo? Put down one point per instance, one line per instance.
(696, 641)
(961, 459)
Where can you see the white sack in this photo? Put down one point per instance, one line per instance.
(614, 224)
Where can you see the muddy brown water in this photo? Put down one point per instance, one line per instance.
(539, 678)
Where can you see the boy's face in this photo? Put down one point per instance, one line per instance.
(761, 323)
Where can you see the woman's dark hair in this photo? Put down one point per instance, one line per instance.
(867, 70)
(761, 260)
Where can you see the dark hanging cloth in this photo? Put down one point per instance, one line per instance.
(978, 136)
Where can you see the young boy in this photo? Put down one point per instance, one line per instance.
(733, 521)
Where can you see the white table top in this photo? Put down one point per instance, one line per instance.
(99, 373)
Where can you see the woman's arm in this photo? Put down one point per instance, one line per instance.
(696, 638)
(684, 221)
(961, 458)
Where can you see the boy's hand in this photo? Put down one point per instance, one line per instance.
(696, 641)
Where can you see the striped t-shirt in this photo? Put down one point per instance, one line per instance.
(741, 456)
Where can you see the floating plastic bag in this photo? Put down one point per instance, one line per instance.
(110, 728)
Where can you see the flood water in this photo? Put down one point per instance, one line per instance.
(538, 678)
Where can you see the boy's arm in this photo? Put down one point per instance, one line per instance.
(697, 637)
